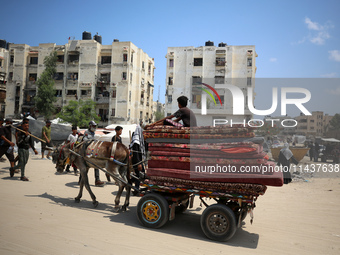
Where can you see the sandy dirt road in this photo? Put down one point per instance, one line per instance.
(41, 217)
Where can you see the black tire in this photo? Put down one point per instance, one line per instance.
(182, 207)
(218, 222)
(153, 210)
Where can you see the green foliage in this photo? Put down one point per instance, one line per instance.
(159, 116)
(79, 113)
(335, 122)
(46, 93)
(267, 129)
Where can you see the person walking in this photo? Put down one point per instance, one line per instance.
(311, 151)
(89, 135)
(72, 139)
(6, 144)
(24, 142)
(46, 135)
(316, 152)
(137, 147)
(285, 157)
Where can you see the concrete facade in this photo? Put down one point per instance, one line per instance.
(3, 73)
(316, 125)
(188, 67)
(118, 77)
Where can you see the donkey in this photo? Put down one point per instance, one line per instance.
(102, 154)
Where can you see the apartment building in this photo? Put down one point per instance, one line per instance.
(118, 77)
(189, 67)
(3, 72)
(316, 124)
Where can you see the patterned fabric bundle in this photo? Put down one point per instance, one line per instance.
(209, 157)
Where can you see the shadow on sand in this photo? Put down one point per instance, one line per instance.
(186, 224)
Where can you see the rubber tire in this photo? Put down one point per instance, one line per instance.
(218, 213)
(182, 207)
(156, 202)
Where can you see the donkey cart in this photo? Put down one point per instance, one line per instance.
(159, 204)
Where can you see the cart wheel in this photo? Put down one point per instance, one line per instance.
(153, 210)
(182, 207)
(218, 222)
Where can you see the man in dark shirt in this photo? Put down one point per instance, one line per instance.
(183, 113)
(6, 144)
(24, 142)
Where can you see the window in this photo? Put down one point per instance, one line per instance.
(198, 61)
(59, 76)
(58, 93)
(220, 61)
(12, 59)
(131, 58)
(72, 76)
(105, 77)
(218, 101)
(60, 59)
(106, 60)
(141, 115)
(219, 79)
(73, 58)
(84, 92)
(71, 92)
(149, 69)
(129, 96)
(32, 77)
(170, 80)
(125, 56)
(10, 76)
(114, 93)
(34, 60)
(130, 78)
(142, 64)
(129, 113)
(171, 63)
(124, 76)
(248, 81)
(169, 99)
(196, 80)
(113, 112)
(0, 62)
(249, 62)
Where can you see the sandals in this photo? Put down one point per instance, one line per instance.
(24, 178)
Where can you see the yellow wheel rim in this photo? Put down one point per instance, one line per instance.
(151, 211)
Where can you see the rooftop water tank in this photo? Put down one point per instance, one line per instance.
(115, 40)
(87, 35)
(2, 43)
(7, 45)
(98, 38)
(222, 44)
(209, 43)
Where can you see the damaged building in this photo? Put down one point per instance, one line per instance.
(119, 78)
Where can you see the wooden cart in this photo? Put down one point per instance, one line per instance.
(159, 204)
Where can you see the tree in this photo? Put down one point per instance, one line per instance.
(159, 115)
(335, 122)
(79, 113)
(46, 93)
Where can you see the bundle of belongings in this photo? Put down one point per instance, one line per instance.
(223, 158)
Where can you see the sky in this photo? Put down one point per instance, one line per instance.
(293, 39)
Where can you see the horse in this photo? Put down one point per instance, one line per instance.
(113, 156)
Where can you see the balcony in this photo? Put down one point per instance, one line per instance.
(102, 100)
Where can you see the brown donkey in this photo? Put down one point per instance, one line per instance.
(114, 157)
